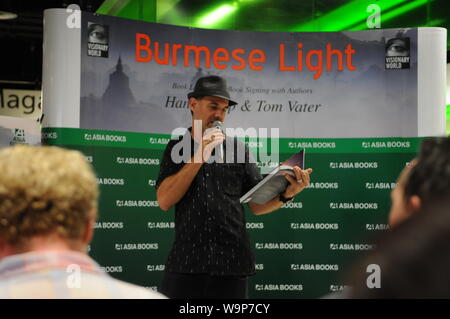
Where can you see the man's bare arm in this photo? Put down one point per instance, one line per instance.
(270, 206)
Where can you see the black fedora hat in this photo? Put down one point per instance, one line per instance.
(211, 85)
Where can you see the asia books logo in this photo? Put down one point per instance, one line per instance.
(19, 136)
(98, 40)
(397, 53)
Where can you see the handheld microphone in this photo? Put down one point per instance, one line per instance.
(219, 148)
(217, 124)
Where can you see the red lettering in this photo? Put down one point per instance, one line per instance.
(143, 47)
(300, 57)
(282, 67)
(166, 53)
(330, 53)
(235, 55)
(318, 67)
(197, 51)
(252, 59)
(175, 48)
(217, 58)
(349, 51)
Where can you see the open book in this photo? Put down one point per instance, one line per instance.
(275, 182)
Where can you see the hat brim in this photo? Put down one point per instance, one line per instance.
(196, 95)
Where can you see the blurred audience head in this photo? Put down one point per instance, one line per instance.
(424, 181)
(412, 260)
(48, 198)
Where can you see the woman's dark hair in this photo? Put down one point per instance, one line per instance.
(430, 177)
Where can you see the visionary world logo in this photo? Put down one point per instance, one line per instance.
(397, 53)
(98, 40)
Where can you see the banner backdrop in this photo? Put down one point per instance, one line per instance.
(306, 84)
(349, 98)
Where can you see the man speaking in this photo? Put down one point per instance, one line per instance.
(211, 256)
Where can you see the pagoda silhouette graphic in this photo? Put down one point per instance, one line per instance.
(118, 93)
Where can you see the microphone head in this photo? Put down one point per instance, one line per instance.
(217, 124)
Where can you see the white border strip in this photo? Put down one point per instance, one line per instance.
(431, 74)
(61, 68)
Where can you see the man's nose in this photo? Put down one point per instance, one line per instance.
(219, 116)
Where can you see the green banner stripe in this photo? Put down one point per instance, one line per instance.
(73, 136)
(82, 137)
(351, 145)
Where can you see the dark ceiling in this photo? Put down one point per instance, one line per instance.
(22, 40)
(22, 37)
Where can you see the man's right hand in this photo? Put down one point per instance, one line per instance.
(211, 138)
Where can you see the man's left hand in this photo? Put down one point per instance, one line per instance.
(298, 183)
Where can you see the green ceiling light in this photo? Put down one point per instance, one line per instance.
(434, 23)
(393, 13)
(403, 9)
(212, 18)
(164, 6)
(346, 16)
(112, 7)
(130, 9)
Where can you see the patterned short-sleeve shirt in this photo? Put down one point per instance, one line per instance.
(210, 226)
